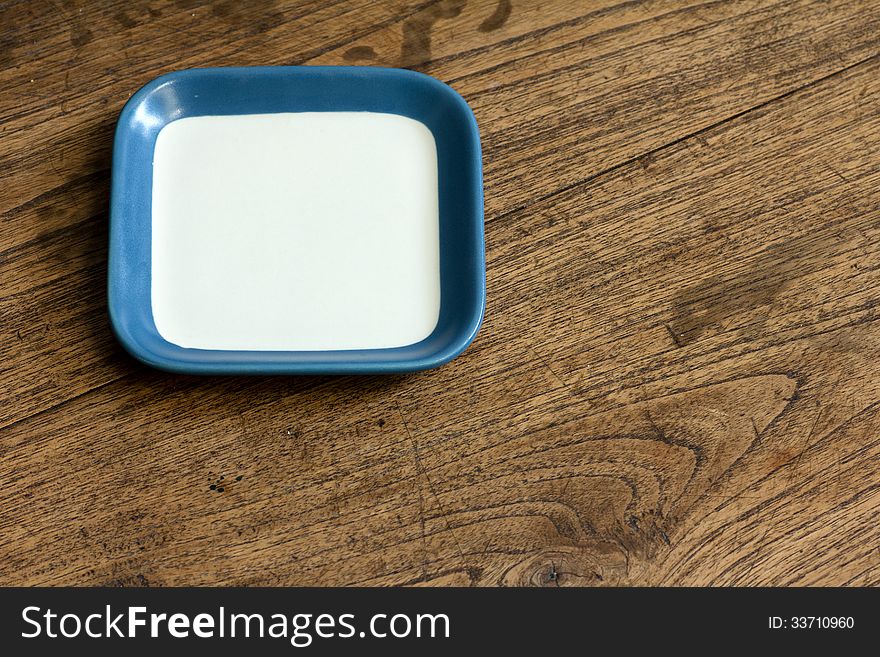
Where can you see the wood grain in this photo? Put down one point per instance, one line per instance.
(675, 383)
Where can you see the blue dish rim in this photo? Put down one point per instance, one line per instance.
(245, 90)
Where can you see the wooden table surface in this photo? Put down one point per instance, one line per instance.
(677, 380)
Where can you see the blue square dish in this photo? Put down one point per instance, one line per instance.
(268, 90)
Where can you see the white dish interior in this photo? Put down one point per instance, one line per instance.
(299, 231)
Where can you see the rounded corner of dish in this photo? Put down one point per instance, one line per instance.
(460, 343)
(145, 90)
(129, 340)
